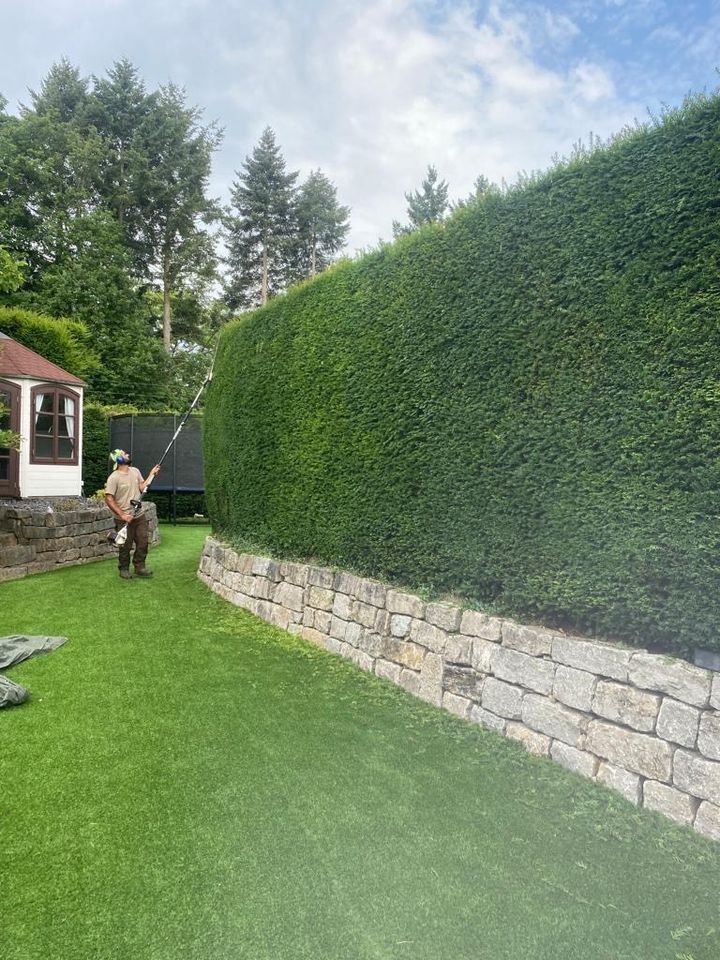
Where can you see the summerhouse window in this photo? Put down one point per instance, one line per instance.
(55, 422)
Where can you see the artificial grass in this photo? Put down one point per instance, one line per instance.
(189, 782)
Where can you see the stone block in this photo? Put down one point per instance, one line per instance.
(67, 556)
(280, 616)
(404, 652)
(382, 621)
(527, 671)
(399, 625)
(575, 688)
(343, 606)
(708, 742)
(320, 597)
(15, 556)
(320, 577)
(678, 679)
(338, 628)
(533, 742)
(308, 617)
(457, 705)
(474, 623)
(371, 643)
(707, 821)
(459, 649)
(461, 681)
(678, 722)
(487, 719)
(428, 636)
(295, 629)
(323, 619)
(592, 656)
(388, 671)
(502, 699)
(13, 573)
(637, 752)
(372, 592)
(623, 704)
(672, 803)
(621, 780)
(295, 573)
(715, 694)
(431, 679)
(264, 588)
(362, 659)
(365, 614)
(265, 567)
(535, 641)
(483, 654)
(555, 720)
(405, 603)
(353, 633)
(410, 681)
(443, 615)
(312, 636)
(578, 761)
(347, 583)
(289, 595)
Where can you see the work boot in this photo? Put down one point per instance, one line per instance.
(142, 571)
(125, 573)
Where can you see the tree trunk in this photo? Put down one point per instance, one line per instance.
(264, 281)
(167, 313)
(313, 265)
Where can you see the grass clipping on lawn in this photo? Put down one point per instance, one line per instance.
(188, 781)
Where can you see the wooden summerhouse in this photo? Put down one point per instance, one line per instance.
(44, 406)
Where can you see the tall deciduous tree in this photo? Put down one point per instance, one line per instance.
(261, 226)
(427, 205)
(322, 223)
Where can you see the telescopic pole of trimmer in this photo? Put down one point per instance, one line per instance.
(121, 535)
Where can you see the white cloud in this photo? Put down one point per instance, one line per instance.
(372, 92)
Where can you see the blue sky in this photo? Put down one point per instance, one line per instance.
(372, 91)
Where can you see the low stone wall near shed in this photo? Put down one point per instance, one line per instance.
(645, 725)
(36, 542)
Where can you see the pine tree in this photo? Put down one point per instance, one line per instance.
(260, 226)
(322, 224)
(427, 205)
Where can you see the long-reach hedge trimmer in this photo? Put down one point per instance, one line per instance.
(120, 536)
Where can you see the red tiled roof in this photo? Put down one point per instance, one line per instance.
(19, 361)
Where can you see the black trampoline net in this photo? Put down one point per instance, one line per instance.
(145, 437)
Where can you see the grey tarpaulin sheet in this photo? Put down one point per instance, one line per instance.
(15, 649)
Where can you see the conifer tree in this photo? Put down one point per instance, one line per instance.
(261, 226)
(427, 205)
(322, 223)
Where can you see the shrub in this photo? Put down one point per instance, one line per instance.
(520, 407)
(67, 343)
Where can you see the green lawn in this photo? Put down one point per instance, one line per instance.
(189, 783)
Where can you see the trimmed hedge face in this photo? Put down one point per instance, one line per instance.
(520, 407)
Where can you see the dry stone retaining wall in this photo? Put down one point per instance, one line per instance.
(36, 542)
(647, 726)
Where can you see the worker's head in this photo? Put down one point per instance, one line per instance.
(119, 457)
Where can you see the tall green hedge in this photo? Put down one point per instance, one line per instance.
(68, 343)
(520, 407)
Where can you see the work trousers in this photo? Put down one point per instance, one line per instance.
(137, 538)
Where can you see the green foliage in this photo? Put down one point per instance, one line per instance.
(428, 205)
(68, 343)
(520, 406)
(322, 224)
(11, 272)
